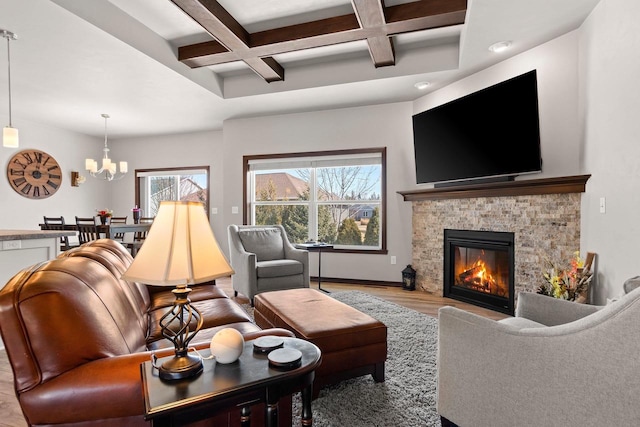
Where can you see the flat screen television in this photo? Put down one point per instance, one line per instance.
(490, 134)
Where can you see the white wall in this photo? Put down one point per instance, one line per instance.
(170, 151)
(69, 149)
(610, 123)
(377, 126)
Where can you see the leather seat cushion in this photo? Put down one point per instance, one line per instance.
(161, 296)
(215, 312)
(279, 268)
(330, 324)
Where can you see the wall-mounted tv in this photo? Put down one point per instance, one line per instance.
(493, 133)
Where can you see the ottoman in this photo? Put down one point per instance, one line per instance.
(352, 343)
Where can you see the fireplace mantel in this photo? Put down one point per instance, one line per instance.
(558, 185)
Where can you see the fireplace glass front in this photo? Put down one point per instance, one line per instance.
(479, 268)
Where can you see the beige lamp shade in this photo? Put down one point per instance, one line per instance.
(179, 249)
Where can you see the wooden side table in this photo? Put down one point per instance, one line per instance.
(248, 381)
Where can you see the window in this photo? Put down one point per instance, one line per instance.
(336, 197)
(184, 184)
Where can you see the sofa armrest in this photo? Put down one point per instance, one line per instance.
(244, 264)
(291, 252)
(300, 255)
(83, 392)
(551, 311)
(495, 374)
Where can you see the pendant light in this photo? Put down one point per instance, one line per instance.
(9, 133)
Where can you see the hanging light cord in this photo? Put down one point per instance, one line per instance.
(8, 36)
(106, 116)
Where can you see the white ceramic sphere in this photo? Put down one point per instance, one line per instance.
(227, 345)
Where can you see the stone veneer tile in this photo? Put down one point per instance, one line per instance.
(543, 225)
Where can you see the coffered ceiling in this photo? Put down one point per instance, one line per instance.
(370, 21)
(166, 66)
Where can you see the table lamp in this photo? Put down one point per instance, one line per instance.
(179, 250)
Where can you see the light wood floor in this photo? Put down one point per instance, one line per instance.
(11, 416)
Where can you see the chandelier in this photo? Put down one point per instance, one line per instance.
(109, 168)
(9, 133)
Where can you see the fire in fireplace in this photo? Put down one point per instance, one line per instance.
(479, 268)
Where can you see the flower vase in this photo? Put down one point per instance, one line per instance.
(104, 220)
(136, 216)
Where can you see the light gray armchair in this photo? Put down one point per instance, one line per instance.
(264, 260)
(556, 363)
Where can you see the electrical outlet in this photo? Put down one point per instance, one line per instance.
(11, 244)
(214, 211)
(393, 260)
(234, 210)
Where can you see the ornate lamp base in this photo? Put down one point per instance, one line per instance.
(180, 367)
(175, 326)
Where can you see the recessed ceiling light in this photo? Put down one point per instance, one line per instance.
(422, 85)
(500, 47)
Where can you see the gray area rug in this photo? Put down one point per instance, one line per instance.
(408, 395)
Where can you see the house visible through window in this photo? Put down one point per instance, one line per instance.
(183, 184)
(334, 197)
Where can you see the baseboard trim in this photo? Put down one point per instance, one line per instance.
(355, 281)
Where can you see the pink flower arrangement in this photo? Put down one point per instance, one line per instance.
(104, 213)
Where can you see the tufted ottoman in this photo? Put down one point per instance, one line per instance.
(352, 343)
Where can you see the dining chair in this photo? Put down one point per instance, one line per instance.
(87, 232)
(53, 220)
(118, 220)
(86, 221)
(57, 223)
(139, 236)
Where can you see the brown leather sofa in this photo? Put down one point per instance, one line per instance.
(76, 334)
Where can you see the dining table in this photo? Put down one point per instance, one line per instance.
(111, 229)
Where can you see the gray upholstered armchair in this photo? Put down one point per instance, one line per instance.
(264, 260)
(556, 363)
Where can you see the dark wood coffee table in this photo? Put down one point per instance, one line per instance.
(246, 382)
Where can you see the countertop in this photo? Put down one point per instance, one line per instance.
(33, 234)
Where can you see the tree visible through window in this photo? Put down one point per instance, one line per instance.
(334, 198)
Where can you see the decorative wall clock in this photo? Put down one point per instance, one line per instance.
(34, 174)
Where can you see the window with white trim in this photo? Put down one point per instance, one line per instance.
(180, 184)
(335, 197)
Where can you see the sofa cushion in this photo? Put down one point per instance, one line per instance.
(162, 296)
(73, 311)
(279, 268)
(266, 243)
(215, 312)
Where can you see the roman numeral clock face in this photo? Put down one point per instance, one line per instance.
(34, 174)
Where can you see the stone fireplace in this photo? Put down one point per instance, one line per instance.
(543, 216)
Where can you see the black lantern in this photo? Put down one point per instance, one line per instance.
(409, 279)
